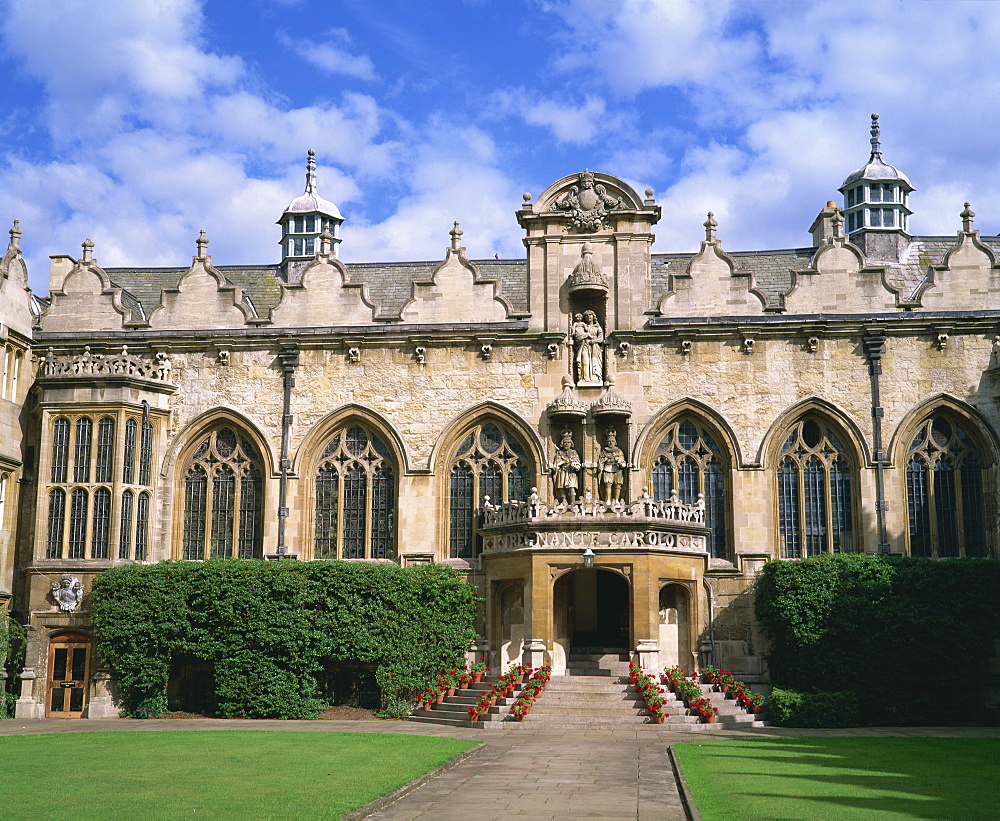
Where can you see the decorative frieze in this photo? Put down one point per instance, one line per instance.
(119, 364)
(646, 507)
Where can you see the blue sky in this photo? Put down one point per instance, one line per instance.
(137, 123)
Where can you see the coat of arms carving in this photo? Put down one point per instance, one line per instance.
(68, 593)
(588, 204)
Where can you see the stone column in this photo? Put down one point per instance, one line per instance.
(26, 706)
(101, 703)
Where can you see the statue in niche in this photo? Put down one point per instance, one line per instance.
(588, 204)
(611, 469)
(588, 339)
(566, 467)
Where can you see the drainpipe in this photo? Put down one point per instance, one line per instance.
(289, 361)
(714, 655)
(874, 345)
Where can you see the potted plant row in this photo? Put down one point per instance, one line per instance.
(533, 688)
(733, 688)
(651, 691)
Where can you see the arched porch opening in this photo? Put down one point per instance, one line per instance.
(592, 611)
(675, 627)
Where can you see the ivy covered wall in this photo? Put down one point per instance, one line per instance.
(269, 628)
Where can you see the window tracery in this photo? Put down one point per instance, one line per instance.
(946, 476)
(222, 497)
(815, 492)
(688, 461)
(490, 461)
(355, 512)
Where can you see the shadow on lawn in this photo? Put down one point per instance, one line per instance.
(910, 777)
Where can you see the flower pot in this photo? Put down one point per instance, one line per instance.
(519, 717)
(440, 698)
(709, 719)
(493, 701)
(658, 719)
(477, 677)
(428, 705)
(723, 688)
(463, 685)
(451, 691)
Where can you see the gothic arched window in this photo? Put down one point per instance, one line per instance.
(223, 500)
(355, 497)
(946, 475)
(815, 498)
(689, 460)
(490, 461)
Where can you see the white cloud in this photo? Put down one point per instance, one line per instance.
(332, 55)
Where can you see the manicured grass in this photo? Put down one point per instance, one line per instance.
(212, 774)
(843, 778)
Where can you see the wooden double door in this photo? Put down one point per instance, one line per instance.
(69, 672)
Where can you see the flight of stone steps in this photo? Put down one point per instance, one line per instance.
(594, 694)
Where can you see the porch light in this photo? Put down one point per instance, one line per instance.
(588, 558)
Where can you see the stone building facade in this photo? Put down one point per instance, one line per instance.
(608, 442)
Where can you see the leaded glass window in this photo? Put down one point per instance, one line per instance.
(142, 527)
(223, 498)
(688, 461)
(945, 491)
(128, 459)
(105, 449)
(125, 539)
(57, 524)
(355, 514)
(60, 449)
(78, 523)
(81, 456)
(100, 536)
(490, 462)
(815, 496)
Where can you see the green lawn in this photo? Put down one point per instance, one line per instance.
(213, 774)
(843, 778)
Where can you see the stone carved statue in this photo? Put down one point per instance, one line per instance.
(588, 204)
(611, 469)
(588, 339)
(566, 467)
(68, 593)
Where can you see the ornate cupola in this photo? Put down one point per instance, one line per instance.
(876, 208)
(305, 220)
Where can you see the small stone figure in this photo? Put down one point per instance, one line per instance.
(68, 593)
(566, 466)
(588, 337)
(611, 469)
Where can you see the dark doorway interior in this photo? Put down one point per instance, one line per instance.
(600, 611)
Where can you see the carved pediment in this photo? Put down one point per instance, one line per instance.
(588, 200)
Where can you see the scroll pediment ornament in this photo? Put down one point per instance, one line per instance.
(588, 204)
(587, 275)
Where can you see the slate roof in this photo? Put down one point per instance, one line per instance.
(390, 283)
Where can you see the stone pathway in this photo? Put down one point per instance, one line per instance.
(532, 774)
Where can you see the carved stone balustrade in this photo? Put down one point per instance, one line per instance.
(648, 524)
(117, 364)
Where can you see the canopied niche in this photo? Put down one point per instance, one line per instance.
(675, 627)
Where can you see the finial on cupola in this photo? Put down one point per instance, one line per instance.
(15, 236)
(311, 172)
(456, 237)
(876, 147)
(202, 243)
(88, 250)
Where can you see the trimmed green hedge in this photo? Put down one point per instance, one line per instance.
(908, 637)
(269, 628)
(790, 708)
(12, 646)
